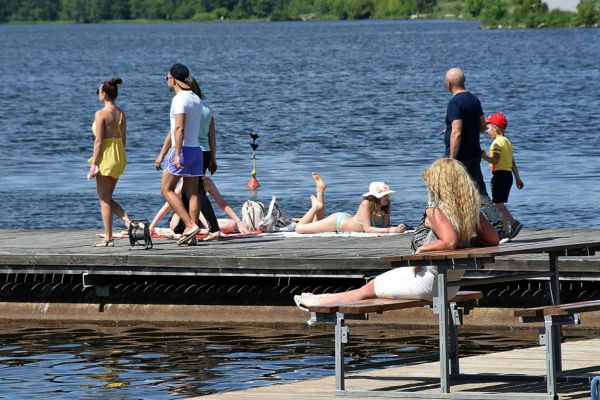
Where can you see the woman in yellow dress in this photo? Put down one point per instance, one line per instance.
(109, 158)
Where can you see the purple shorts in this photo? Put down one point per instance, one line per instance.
(191, 159)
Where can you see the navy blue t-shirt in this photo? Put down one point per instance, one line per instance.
(466, 107)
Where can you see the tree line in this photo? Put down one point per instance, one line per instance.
(493, 13)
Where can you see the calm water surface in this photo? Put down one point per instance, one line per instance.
(357, 101)
(150, 363)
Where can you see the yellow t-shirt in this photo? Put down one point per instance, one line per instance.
(504, 147)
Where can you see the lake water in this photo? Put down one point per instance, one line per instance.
(155, 363)
(357, 101)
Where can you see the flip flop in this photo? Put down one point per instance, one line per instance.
(298, 301)
(187, 237)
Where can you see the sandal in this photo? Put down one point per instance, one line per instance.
(106, 243)
(212, 236)
(187, 237)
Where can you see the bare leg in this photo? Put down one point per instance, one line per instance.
(119, 212)
(311, 214)
(174, 222)
(365, 292)
(168, 191)
(190, 188)
(324, 225)
(105, 186)
(321, 186)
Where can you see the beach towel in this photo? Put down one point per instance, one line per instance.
(167, 233)
(333, 234)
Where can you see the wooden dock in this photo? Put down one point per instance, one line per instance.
(530, 361)
(71, 252)
(57, 274)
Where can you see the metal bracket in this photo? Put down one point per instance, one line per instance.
(83, 280)
(457, 314)
(435, 306)
(345, 334)
(100, 290)
(542, 336)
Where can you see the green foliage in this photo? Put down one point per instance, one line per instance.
(359, 9)
(520, 13)
(493, 13)
(425, 6)
(535, 13)
(588, 12)
(474, 7)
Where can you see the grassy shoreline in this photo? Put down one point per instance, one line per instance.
(147, 21)
(491, 14)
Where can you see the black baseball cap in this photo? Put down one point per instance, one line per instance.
(180, 72)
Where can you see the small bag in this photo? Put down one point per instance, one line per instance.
(252, 213)
(276, 219)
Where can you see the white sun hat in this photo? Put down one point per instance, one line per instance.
(378, 189)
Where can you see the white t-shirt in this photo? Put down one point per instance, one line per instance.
(186, 102)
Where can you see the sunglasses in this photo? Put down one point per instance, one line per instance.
(97, 91)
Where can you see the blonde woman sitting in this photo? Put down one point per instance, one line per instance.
(451, 220)
(372, 216)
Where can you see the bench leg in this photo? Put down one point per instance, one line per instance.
(341, 338)
(552, 342)
(442, 304)
(554, 295)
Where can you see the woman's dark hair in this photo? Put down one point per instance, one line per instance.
(110, 88)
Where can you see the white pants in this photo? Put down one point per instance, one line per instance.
(401, 283)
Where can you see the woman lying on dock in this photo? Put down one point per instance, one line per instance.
(372, 216)
(234, 224)
(451, 220)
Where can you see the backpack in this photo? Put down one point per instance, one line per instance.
(252, 213)
(276, 219)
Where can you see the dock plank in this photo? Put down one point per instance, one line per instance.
(53, 250)
(425, 376)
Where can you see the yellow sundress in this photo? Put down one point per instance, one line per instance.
(112, 158)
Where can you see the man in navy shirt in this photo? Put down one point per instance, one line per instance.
(464, 123)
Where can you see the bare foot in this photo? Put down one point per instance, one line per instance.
(321, 185)
(315, 203)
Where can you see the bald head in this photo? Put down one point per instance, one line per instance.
(455, 77)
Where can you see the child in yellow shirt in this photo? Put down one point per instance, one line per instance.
(501, 158)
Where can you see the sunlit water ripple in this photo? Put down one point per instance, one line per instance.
(358, 101)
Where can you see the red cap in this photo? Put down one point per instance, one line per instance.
(497, 119)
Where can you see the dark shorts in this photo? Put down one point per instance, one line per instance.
(501, 183)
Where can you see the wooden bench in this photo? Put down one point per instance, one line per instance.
(448, 313)
(554, 316)
(338, 313)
